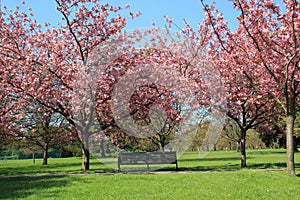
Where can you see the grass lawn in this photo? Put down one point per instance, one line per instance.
(251, 183)
(189, 161)
(244, 184)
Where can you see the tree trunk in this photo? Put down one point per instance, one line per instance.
(290, 120)
(85, 153)
(243, 149)
(33, 157)
(85, 159)
(102, 149)
(45, 156)
(162, 147)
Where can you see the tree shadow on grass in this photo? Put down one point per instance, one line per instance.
(277, 165)
(230, 167)
(23, 187)
(265, 152)
(267, 165)
(211, 159)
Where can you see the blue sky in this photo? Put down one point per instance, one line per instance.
(191, 10)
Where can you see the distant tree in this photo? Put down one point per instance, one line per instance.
(199, 136)
(231, 136)
(41, 127)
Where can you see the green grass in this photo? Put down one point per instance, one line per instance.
(189, 161)
(243, 184)
(55, 166)
(230, 160)
(188, 183)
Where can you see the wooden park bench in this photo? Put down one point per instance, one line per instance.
(147, 158)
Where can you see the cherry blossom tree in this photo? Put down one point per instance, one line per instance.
(40, 61)
(247, 105)
(267, 43)
(248, 115)
(141, 101)
(244, 103)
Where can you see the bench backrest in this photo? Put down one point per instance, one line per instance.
(147, 157)
(133, 157)
(162, 157)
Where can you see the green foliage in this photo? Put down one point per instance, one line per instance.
(14, 154)
(71, 150)
(201, 131)
(253, 141)
(19, 149)
(228, 139)
(9, 154)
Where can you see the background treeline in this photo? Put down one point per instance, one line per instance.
(228, 140)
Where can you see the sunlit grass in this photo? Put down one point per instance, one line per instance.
(189, 161)
(243, 184)
(230, 160)
(63, 179)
